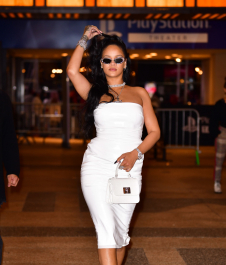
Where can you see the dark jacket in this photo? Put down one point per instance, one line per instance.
(9, 153)
(218, 118)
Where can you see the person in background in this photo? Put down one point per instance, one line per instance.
(217, 130)
(9, 153)
(37, 108)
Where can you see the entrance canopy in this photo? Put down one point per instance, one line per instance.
(113, 9)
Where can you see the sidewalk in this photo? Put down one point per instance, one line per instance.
(179, 221)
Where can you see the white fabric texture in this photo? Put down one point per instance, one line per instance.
(119, 129)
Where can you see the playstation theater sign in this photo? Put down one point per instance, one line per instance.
(169, 34)
(137, 34)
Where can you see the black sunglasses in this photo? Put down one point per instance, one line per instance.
(116, 60)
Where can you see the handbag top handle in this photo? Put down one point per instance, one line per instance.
(116, 171)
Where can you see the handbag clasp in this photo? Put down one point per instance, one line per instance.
(126, 190)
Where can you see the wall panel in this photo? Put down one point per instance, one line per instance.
(211, 3)
(65, 3)
(167, 3)
(115, 3)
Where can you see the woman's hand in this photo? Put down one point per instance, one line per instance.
(129, 160)
(91, 31)
(12, 180)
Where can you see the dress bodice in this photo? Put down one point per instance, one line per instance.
(119, 121)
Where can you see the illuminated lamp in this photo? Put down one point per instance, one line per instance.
(126, 16)
(197, 16)
(148, 16)
(222, 16)
(205, 16)
(4, 15)
(214, 16)
(166, 16)
(174, 16)
(20, 15)
(117, 16)
(157, 16)
(101, 16)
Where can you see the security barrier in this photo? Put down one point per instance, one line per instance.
(44, 120)
(180, 128)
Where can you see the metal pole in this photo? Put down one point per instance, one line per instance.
(66, 104)
(186, 82)
(1, 70)
(178, 81)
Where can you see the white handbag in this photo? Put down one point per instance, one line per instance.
(122, 190)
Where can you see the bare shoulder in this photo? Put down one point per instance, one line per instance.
(142, 92)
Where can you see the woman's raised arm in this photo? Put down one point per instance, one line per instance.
(81, 84)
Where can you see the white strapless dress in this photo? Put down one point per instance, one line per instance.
(119, 129)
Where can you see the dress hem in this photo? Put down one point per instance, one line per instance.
(113, 246)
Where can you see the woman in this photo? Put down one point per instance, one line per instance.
(119, 112)
(218, 132)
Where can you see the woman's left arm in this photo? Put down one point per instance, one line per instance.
(151, 124)
(153, 131)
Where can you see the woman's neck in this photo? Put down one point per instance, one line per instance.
(114, 81)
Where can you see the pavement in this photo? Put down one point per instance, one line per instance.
(179, 221)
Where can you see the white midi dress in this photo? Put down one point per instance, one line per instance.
(119, 129)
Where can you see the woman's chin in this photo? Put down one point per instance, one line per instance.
(113, 74)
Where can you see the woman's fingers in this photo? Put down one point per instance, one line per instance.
(91, 31)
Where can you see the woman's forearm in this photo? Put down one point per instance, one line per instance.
(149, 141)
(75, 61)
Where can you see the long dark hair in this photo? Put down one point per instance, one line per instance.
(225, 82)
(96, 76)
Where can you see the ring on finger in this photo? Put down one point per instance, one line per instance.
(121, 167)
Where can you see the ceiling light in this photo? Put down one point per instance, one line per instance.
(52, 75)
(126, 16)
(118, 16)
(197, 16)
(153, 54)
(149, 16)
(110, 15)
(214, 16)
(45, 88)
(134, 55)
(57, 71)
(166, 16)
(167, 57)
(147, 56)
(200, 72)
(197, 69)
(178, 60)
(101, 16)
(64, 54)
(221, 16)
(82, 70)
(174, 16)
(174, 54)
